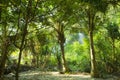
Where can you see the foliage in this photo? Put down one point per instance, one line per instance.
(33, 30)
(113, 31)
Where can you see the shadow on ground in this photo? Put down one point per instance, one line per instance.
(38, 75)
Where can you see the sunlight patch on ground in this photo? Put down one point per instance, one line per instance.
(55, 75)
(72, 75)
(39, 75)
(29, 74)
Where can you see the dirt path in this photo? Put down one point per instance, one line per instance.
(38, 75)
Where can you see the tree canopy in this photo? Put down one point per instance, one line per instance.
(60, 35)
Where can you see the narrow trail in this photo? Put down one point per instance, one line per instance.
(39, 75)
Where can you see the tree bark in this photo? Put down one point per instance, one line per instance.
(21, 49)
(61, 40)
(60, 67)
(3, 59)
(63, 57)
(24, 33)
(65, 67)
(4, 48)
(94, 71)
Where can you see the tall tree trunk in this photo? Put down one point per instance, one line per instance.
(3, 59)
(61, 41)
(23, 37)
(21, 49)
(4, 48)
(94, 71)
(60, 67)
(65, 67)
(3, 55)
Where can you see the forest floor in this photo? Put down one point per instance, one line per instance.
(39, 75)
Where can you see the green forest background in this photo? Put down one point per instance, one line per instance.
(61, 35)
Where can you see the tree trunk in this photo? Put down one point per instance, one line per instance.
(4, 48)
(3, 59)
(60, 67)
(61, 41)
(65, 67)
(21, 49)
(94, 71)
(23, 37)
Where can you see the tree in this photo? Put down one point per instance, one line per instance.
(61, 41)
(5, 19)
(28, 16)
(62, 20)
(91, 10)
(113, 33)
(59, 29)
